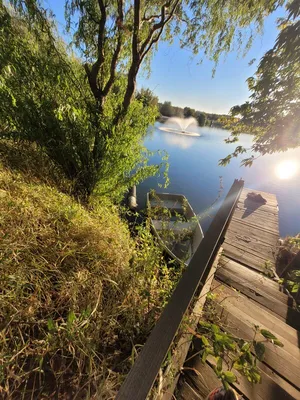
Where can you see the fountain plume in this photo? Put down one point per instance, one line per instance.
(182, 123)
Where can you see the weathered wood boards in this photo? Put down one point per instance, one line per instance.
(252, 236)
(260, 289)
(231, 308)
(246, 298)
(237, 314)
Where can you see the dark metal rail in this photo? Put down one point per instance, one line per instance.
(142, 375)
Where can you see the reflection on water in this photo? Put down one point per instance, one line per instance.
(287, 169)
(183, 142)
(194, 171)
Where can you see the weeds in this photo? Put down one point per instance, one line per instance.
(231, 353)
(77, 292)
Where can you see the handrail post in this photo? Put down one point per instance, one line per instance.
(142, 375)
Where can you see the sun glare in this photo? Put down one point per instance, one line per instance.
(286, 169)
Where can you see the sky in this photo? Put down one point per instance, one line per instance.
(178, 78)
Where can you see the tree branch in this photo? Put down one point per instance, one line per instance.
(93, 73)
(136, 29)
(119, 23)
(151, 18)
(151, 39)
(135, 63)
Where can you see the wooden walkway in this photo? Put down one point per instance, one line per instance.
(247, 296)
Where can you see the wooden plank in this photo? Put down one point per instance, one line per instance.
(240, 250)
(272, 386)
(284, 312)
(282, 390)
(258, 219)
(250, 203)
(276, 358)
(243, 229)
(188, 393)
(256, 214)
(203, 383)
(251, 245)
(257, 223)
(250, 259)
(270, 199)
(250, 207)
(255, 315)
(172, 372)
(254, 278)
(142, 375)
(254, 310)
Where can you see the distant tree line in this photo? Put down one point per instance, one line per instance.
(166, 109)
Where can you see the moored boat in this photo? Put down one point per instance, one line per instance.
(175, 224)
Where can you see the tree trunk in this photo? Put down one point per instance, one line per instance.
(131, 84)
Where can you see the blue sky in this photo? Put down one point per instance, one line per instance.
(178, 78)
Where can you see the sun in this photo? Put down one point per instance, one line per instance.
(286, 169)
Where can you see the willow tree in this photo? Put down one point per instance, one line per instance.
(115, 40)
(273, 112)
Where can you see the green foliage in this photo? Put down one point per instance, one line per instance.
(293, 281)
(189, 112)
(45, 99)
(231, 353)
(259, 349)
(93, 128)
(201, 118)
(77, 292)
(292, 242)
(166, 109)
(147, 97)
(273, 112)
(268, 269)
(288, 250)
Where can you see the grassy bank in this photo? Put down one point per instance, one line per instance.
(78, 294)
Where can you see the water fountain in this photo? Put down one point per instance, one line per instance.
(183, 124)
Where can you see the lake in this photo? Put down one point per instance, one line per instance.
(194, 172)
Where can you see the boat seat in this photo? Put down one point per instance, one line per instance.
(173, 225)
(172, 205)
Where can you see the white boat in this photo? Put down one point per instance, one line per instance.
(175, 224)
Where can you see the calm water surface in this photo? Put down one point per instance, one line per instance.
(194, 171)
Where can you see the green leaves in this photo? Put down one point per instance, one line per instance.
(268, 335)
(219, 364)
(229, 376)
(204, 340)
(232, 353)
(272, 114)
(50, 324)
(259, 350)
(71, 318)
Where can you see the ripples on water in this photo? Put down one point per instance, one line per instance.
(194, 171)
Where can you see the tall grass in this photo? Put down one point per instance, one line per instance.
(78, 295)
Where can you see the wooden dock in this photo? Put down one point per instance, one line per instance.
(248, 296)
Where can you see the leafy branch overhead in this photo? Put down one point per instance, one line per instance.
(90, 122)
(273, 112)
(123, 34)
